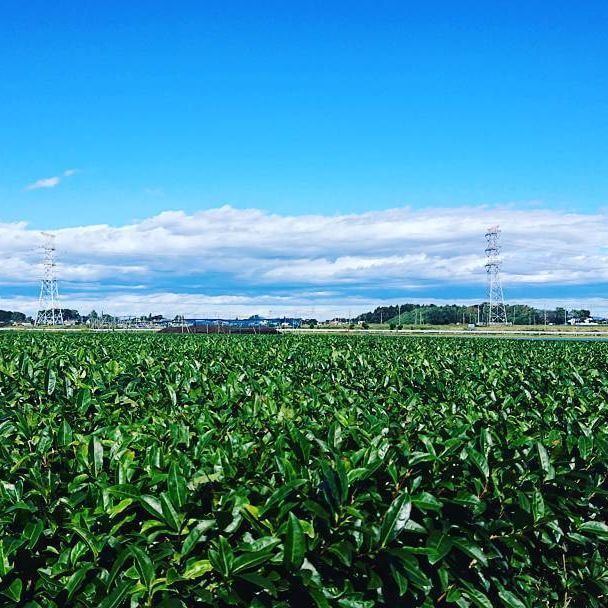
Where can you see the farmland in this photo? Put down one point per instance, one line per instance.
(346, 471)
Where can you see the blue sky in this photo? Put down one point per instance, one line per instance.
(300, 108)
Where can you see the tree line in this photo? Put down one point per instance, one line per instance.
(432, 314)
(11, 317)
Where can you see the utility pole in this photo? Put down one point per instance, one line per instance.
(184, 327)
(497, 312)
(49, 309)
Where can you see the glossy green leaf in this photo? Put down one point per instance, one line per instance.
(471, 549)
(64, 436)
(198, 568)
(295, 544)
(511, 600)
(144, 565)
(50, 381)
(395, 518)
(76, 579)
(222, 558)
(96, 455)
(196, 534)
(13, 591)
(117, 596)
(538, 506)
(251, 560)
(170, 514)
(152, 505)
(177, 486)
(596, 528)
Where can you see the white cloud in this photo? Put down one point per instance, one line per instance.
(340, 257)
(47, 182)
(51, 182)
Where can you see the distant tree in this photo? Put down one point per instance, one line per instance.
(580, 314)
(561, 316)
(11, 316)
(70, 314)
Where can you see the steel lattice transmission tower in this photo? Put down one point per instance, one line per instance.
(49, 309)
(497, 312)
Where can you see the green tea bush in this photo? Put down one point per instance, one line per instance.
(346, 471)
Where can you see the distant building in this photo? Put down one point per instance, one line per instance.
(253, 321)
(587, 321)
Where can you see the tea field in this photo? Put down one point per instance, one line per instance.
(339, 471)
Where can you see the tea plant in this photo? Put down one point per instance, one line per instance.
(302, 471)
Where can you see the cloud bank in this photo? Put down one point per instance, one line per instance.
(188, 262)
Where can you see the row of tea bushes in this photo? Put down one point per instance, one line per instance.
(147, 470)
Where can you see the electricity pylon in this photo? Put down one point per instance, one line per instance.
(497, 312)
(49, 309)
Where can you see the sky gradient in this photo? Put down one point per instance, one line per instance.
(367, 118)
